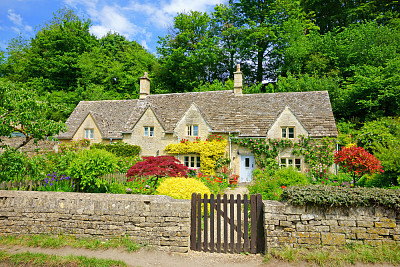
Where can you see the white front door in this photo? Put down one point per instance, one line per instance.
(247, 166)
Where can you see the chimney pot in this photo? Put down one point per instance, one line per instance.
(144, 86)
(238, 81)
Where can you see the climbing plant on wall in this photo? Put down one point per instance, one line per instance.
(210, 150)
(318, 154)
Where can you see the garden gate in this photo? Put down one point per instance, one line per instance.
(212, 230)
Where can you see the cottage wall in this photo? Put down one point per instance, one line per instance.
(88, 123)
(192, 117)
(150, 145)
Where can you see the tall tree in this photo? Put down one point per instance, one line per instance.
(189, 55)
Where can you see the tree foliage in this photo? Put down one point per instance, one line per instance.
(21, 111)
(357, 161)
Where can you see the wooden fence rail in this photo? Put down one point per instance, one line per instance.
(222, 224)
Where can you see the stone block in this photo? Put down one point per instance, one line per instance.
(378, 231)
(307, 217)
(329, 222)
(285, 223)
(364, 223)
(385, 224)
(312, 241)
(347, 223)
(295, 209)
(322, 228)
(373, 243)
(333, 239)
(293, 218)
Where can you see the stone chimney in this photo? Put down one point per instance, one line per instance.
(144, 86)
(237, 81)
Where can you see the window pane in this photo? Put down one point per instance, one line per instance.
(189, 130)
(290, 162)
(146, 131)
(186, 161)
(151, 131)
(247, 162)
(198, 162)
(195, 130)
(86, 134)
(283, 132)
(298, 164)
(192, 162)
(91, 133)
(291, 132)
(283, 162)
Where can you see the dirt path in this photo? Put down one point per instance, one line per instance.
(153, 257)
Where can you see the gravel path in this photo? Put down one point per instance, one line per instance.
(153, 257)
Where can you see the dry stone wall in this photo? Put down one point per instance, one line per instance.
(155, 220)
(306, 226)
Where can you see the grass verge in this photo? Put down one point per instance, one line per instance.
(39, 259)
(57, 241)
(330, 256)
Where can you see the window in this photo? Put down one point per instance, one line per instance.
(193, 130)
(89, 133)
(288, 132)
(192, 161)
(290, 162)
(148, 131)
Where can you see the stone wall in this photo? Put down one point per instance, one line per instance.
(155, 220)
(305, 226)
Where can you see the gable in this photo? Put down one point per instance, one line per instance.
(193, 116)
(286, 119)
(88, 123)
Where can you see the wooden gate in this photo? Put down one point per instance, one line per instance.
(224, 225)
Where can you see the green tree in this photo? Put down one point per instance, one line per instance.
(189, 55)
(115, 65)
(21, 111)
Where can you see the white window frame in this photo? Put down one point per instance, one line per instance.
(89, 134)
(192, 130)
(287, 162)
(285, 132)
(192, 161)
(149, 131)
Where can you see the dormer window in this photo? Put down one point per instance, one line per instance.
(89, 133)
(288, 132)
(193, 130)
(149, 131)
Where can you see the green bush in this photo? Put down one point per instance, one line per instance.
(13, 165)
(120, 149)
(182, 188)
(270, 183)
(87, 168)
(326, 196)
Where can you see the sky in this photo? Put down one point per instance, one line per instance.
(139, 20)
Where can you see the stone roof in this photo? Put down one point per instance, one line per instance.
(249, 114)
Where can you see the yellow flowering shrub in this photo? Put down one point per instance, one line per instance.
(182, 188)
(209, 152)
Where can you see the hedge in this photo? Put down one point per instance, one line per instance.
(324, 195)
(119, 149)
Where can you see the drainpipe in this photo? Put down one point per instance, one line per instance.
(230, 151)
(336, 165)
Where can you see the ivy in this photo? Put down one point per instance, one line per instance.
(210, 151)
(318, 154)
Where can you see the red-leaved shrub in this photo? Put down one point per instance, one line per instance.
(154, 168)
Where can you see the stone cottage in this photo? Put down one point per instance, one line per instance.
(154, 121)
